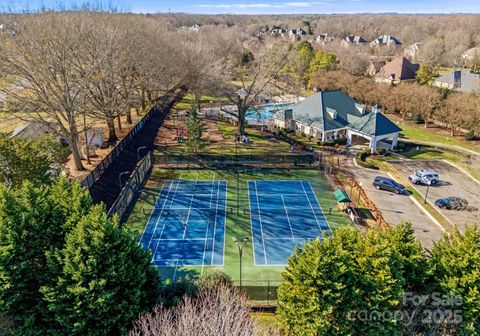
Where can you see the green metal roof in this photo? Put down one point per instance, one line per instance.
(341, 196)
(314, 111)
(374, 124)
(334, 109)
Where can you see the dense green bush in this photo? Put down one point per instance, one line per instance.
(327, 283)
(65, 267)
(417, 118)
(470, 135)
(361, 159)
(213, 279)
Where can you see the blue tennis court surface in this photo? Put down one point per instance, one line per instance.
(187, 224)
(283, 214)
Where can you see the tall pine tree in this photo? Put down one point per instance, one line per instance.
(456, 264)
(33, 221)
(106, 281)
(328, 283)
(194, 142)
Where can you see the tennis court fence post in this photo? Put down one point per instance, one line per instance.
(268, 292)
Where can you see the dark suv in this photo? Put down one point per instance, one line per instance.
(386, 183)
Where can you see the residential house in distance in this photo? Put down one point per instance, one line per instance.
(278, 32)
(324, 39)
(331, 115)
(297, 34)
(460, 80)
(195, 28)
(412, 51)
(374, 67)
(471, 54)
(31, 130)
(385, 41)
(399, 69)
(350, 40)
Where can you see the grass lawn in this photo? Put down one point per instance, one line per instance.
(267, 321)
(259, 143)
(238, 226)
(188, 100)
(458, 158)
(416, 132)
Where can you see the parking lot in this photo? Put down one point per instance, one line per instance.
(453, 182)
(396, 208)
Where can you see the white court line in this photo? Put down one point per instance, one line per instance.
(261, 224)
(188, 216)
(323, 214)
(159, 216)
(224, 223)
(180, 239)
(163, 226)
(151, 214)
(251, 222)
(206, 233)
(286, 213)
(215, 225)
(314, 214)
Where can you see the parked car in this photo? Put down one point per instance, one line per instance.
(424, 177)
(389, 184)
(453, 203)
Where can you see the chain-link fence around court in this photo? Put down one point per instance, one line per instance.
(133, 186)
(224, 160)
(260, 292)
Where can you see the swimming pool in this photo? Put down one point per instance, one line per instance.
(264, 112)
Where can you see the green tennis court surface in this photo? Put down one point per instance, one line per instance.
(238, 218)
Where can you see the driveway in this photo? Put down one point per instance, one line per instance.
(396, 208)
(453, 182)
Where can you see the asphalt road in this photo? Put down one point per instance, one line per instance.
(396, 208)
(453, 182)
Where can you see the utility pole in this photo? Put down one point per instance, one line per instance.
(240, 253)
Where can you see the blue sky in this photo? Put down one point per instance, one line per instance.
(282, 6)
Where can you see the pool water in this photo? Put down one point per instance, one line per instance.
(265, 111)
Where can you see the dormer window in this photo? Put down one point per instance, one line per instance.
(332, 113)
(360, 108)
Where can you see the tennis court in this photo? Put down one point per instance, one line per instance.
(187, 224)
(283, 214)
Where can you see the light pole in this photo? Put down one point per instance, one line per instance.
(120, 178)
(139, 149)
(238, 177)
(426, 193)
(359, 191)
(240, 253)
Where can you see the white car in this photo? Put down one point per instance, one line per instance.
(424, 177)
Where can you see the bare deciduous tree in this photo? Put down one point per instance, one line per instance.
(244, 85)
(218, 311)
(43, 55)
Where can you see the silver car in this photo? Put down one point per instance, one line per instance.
(424, 177)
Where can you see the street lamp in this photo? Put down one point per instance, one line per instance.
(240, 246)
(359, 192)
(120, 178)
(238, 173)
(426, 193)
(139, 149)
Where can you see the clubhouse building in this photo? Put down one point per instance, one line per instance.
(332, 115)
